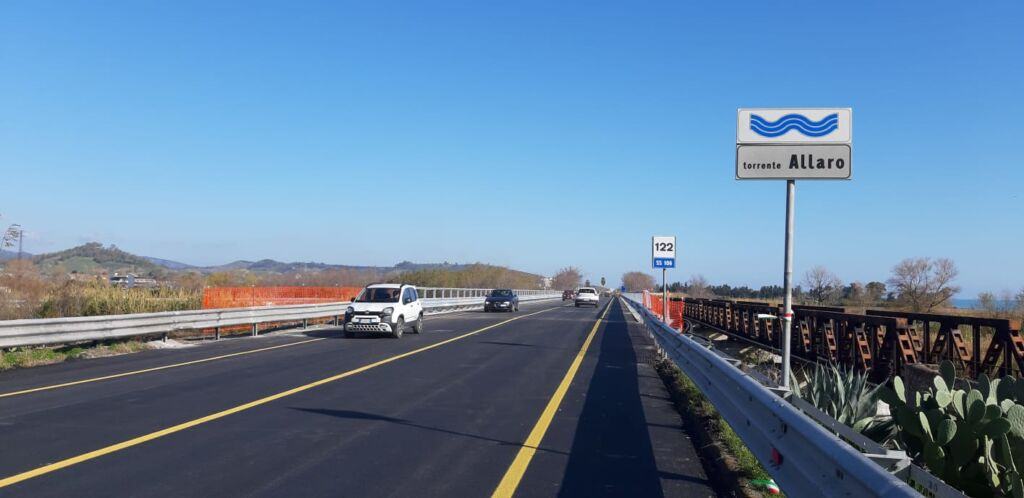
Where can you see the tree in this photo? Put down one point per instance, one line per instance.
(823, 286)
(602, 281)
(232, 278)
(854, 293)
(859, 294)
(474, 276)
(636, 281)
(698, 287)
(987, 302)
(567, 278)
(923, 284)
(191, 280)
(1018, 305)
(1006, 305)
(874, 292)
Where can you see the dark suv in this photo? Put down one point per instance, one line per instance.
(501, 300)
(567, 295)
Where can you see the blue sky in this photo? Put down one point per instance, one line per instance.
(528, 134)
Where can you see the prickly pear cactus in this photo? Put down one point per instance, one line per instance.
(971, 439)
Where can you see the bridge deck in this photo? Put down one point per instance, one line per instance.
(444, 421)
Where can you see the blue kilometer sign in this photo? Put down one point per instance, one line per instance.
(663, 251)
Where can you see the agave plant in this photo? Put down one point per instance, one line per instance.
(846, 396)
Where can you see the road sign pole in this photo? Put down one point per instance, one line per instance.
(787, 304)
(664, 297)
(813, 143)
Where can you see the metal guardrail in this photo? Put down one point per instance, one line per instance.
(475, 299)
(803, 457)
(37, 332)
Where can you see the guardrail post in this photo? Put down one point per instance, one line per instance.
(165, 337)
(305, 323)
(336, 320)
(216, 334)
(255, 329)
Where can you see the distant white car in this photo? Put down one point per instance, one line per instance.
(385, 309)
(587, 296)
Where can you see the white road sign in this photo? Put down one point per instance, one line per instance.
(663, 251)
(793, 162)
(794, 126)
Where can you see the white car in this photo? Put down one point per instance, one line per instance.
(385, 309)
(587, 296)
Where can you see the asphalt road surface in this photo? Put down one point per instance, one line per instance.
(550, 401)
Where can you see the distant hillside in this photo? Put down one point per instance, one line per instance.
(170, 265)
(5, 255)
(94, 258)
(274, 266)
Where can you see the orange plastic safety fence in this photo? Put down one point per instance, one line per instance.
(675, 315)
(242, 297)
(675, 310)
(656, 305)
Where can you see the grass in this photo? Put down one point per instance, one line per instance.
(748, 465)
(95, 299)
(694, 406)
(33, 357)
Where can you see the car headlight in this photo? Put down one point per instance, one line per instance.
(350, 310)
(387, 311)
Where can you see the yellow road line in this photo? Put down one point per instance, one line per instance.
(46, 469)
(507, 487)
(154, 369)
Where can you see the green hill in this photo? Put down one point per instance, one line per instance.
(93, 258)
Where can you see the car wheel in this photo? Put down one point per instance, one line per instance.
(418, 327)
(349, 334)
(398, 328)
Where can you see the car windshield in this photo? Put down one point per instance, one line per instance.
(501, 293)
(379, 295)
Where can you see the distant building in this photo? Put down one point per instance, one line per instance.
(130, 280)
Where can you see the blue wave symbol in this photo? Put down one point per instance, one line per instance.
(797, 122)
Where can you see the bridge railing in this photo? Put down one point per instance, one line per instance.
(53, 331)
(800, 454)
(880, 341)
